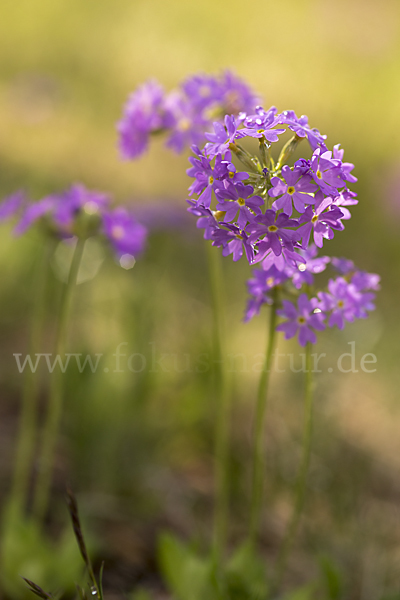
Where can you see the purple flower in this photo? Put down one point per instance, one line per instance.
(304, 272)
(302, 319)
(274, 230)
(184, 122)
(259, 287)
(344, 302)
(234, 198)
(126, 235)
(296, 187)
(60, 210)
(365, 281)
(345, 198)
(262, 124)
(346, 167)
(223, 136)
(322, 221)
(208, 178)
(235, 95)
(342, 265)
(206, 220)
(327, 172)
(11, 205)
(78, 198)
(233, 240)
(203, 90)
(288, 259)
(34, 212)
(299, 125)
(143, 114)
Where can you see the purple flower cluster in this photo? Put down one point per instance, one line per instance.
(279, 215)
(346, 298)
(78, 212)
(183, 114)
(254, 208)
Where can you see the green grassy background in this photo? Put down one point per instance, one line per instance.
(66, 69)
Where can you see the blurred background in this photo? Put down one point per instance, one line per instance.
(137, 447)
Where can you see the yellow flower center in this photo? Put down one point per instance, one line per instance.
(301, 320)
(314, 219)
(231, 174)
(210, 180)
(340, 303)
(272, 228)
(270, 281)
(241, 202)
(319, 174)
(291, 190)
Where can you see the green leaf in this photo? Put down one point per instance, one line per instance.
(332, 578)
(188, 576)
(246, 576)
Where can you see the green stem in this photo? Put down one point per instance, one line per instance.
(53, 417)
(223, 408)
(287, 151)
(259, 425)
(28, 418)
(302, 476)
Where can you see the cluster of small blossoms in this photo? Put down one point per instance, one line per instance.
(279, 215)
(348, 296)
(78, 212)
(183, 114)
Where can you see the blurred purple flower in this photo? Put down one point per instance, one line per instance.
(143, 114)
(125, 234)
(302, 319)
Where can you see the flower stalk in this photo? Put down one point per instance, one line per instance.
(301, 483)
(53, 417)
(258, 470)
(223, 409)
(28, 418)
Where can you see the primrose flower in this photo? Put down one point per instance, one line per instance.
(143, 115)
(260, 286)
(125, 234)
(206, 220)
(11, 205)
(272, 231)
(233, 240)
(234, 198)
(223, 136)
(185, 125)
(34, 212)
(295, 188)
(344, 199)
(262, 125)
(299, 125)
(344, 302)
(365, 281)
(303, 273)
(302, 320)
(342, 265)
(322, 221)
(184, 114)
(326, 172)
